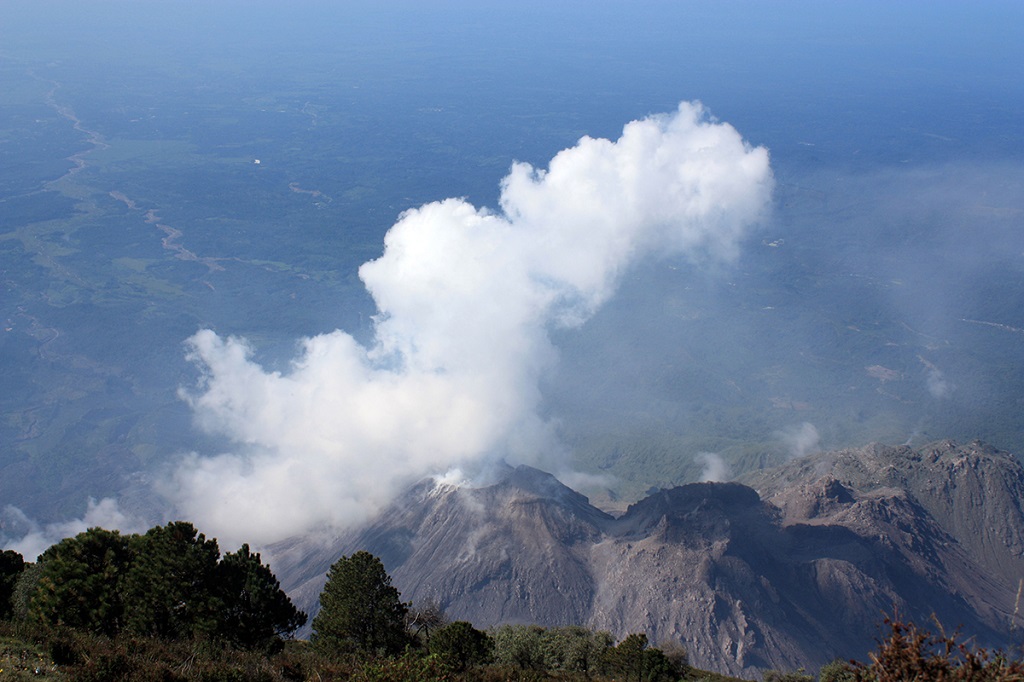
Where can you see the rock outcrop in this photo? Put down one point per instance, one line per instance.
(791, 568)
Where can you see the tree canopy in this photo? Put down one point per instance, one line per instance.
(11, 566)
(632, 659)
(170, 583)
(359, 608)
(461, 645)
(256, 610)
(78, 582)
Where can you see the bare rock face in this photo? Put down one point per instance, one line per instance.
(792, 568)
(517, 551)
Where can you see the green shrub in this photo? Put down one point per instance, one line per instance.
(461, 646)
(632, 659)
(575, 649)
(411, 667)
(779, 676)
(836, 671)
(519, 646)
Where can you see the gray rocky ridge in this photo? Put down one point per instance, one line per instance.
(792, 567)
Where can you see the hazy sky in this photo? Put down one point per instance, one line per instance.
(651, 279)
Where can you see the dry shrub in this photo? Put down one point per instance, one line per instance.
(910, 653)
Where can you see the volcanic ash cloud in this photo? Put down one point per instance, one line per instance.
(465, 299)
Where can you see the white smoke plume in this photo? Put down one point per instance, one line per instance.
(715, 469)
(935, 380)
(800, 440)
(465, 298)
(29, 538)
(938, 387)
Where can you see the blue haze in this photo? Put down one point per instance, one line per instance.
(896, 138)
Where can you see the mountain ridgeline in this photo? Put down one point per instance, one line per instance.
(792, 567)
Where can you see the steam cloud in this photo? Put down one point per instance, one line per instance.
(935, 380)
(715, 469)
(801, 440)
(30, 538)
(938, 387)
(465, 298)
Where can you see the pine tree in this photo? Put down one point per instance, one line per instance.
(169, 590)
(255, 609)
(633, 660)
(79, 580)
(359, 609)
(11, 566)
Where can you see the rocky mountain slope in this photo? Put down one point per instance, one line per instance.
(791, 568)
